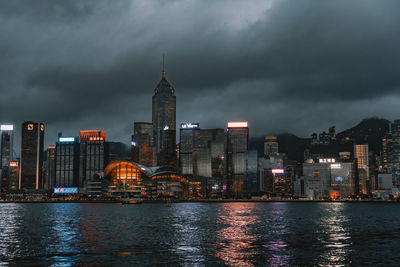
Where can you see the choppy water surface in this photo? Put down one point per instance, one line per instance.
(197, 234)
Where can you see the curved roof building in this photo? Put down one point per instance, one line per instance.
(131, 177)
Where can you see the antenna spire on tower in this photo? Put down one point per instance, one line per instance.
(163, 69)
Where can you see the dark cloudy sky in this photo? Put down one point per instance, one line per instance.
(285, 66)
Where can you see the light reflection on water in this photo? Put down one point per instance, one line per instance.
(235, 240)
(198, 234)
(278, 230)
(337, 239)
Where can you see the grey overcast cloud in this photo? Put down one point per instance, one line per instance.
(284, 66)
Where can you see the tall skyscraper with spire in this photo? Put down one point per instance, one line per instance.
(164, 123)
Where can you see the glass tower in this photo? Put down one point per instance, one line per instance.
(31, 156)
(6, 145)
(164, 123)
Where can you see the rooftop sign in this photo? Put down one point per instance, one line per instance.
(242, 124)
(190, 125)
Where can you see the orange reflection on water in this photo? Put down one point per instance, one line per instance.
(235, 241)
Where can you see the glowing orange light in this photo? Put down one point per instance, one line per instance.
(334, 194)
(13, 163)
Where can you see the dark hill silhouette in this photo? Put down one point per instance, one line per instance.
(370, 130)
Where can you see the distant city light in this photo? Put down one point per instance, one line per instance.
(242, 124)
(13, 163)
(133, 143)
(166, 127)
(5, 127)
(66, 139)
(327, 160)
(276, 171)
(336, 166)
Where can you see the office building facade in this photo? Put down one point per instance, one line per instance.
(93, 155)
(141, 143)
(271, 146)
(164, 123)
(186, 147)
(31, 156)
(361, 157)
(67, 162)
(236, 147)
(6, 144)
(50, 167)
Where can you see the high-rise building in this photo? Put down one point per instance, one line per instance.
(141, 145)
(67, 162)
(270, 146)
(395, 151)
(9, 178)
(361, 156)
(93, 154)
(31, 156)
(387, 153)
(251, 171)
(164, 123)
(6, 144)
(50, 167)
(237, 145)
(186, 146)
(209, 153)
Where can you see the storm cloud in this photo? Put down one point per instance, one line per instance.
(284, 66)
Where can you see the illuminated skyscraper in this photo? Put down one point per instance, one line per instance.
(270, 146)
(387, 153)
(93, 154)
(31, 156)
(186, 146)
(9, 178)
(164, 123)
(6, 145)
(394, 159)
(67, 162)
(361, 156)
(237, 146)
(141, 145)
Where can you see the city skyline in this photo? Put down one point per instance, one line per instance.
(272, 55)
(199, 133)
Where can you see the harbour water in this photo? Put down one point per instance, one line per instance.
(200, 234)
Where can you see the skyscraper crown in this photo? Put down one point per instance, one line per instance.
(164, 87)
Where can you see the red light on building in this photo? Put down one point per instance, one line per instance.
(242, 124)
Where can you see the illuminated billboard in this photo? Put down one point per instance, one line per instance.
(5, 127)
(13, 163)
(66, 139)
(241, 124)
(327, 160)
(271, 138)
(336, 166)
(278, 171)
(65, 190)
(190, 125)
